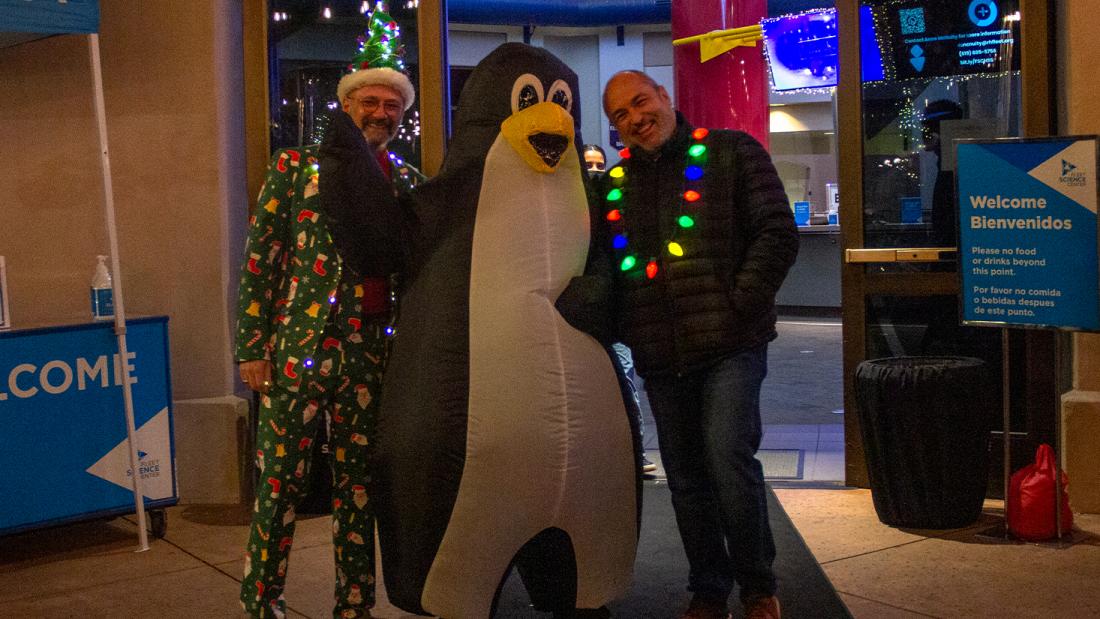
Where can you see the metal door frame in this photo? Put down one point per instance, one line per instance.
(857, 284)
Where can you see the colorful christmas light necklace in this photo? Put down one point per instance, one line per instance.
(693, 176)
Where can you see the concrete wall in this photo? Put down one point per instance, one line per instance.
(173, 87)
(1078, 49)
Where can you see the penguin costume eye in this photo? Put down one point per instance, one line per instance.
(527, 91)
(561, 94)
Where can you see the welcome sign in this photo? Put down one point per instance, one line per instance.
(64, 454)
(1028, 232)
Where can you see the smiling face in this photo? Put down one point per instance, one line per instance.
(377, 111)
(640, 110)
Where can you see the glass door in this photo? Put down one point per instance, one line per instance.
(931, 72)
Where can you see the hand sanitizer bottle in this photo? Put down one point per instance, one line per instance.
(103, 302)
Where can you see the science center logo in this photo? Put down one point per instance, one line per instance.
(1070, 176)
(983, 12)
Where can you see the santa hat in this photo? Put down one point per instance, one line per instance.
(379, 61)
(382, 76)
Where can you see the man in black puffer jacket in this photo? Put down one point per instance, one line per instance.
(701, 236)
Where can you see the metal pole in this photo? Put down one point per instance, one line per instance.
(116, 285)
(1006, 410)
(1058, 440)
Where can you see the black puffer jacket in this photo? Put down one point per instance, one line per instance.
(719, 297)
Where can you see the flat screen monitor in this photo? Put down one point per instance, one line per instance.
(945, 38)
(803, 49)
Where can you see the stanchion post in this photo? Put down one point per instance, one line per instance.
(116, 285)
(1058, 444)
(1006, 413)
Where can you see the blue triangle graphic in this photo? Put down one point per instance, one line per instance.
(918, 63)
(141, 455)
(1067, 167)
(1027, 156)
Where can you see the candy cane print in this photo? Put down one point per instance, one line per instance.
(267, 232)
(279, 431)
(319, 265)
(257, 335)
(330, 342)
(288, 369)
(254, 263)
(309, 336)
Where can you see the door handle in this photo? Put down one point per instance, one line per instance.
(900, 254)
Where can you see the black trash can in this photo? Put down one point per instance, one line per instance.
(925, 424)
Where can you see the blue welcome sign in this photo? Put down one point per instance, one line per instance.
(64, 453)
(1028, 232)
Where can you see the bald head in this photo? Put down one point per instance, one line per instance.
(640, 109)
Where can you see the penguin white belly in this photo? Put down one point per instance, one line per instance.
(548, 441)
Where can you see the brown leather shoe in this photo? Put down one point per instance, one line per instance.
(705, 609)
(762, 607)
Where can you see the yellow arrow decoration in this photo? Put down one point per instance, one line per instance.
(718, 42)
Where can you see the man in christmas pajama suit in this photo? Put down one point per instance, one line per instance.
(311, 337)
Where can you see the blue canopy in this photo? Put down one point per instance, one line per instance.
(24, 20)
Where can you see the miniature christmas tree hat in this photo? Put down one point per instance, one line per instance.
(379, 60)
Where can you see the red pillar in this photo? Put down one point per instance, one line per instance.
(730, 91)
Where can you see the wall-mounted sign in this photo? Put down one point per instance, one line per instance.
(1028, 232)
(934, 38)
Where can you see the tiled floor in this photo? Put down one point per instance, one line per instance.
(881, 572)
(801, 400)
(91, 569)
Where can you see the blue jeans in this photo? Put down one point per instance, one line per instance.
(708, 429)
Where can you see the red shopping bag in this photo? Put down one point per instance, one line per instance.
(1031, 499)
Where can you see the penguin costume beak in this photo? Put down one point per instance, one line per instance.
(540, 134)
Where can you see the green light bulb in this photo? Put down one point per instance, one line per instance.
(686, 221)
(628, 263)
(614, 194)
(697, 150)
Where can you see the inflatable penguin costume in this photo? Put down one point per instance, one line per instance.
(500, 422)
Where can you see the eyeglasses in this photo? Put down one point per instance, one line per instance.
(370, 104)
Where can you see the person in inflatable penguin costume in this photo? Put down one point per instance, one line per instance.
(503, 437)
